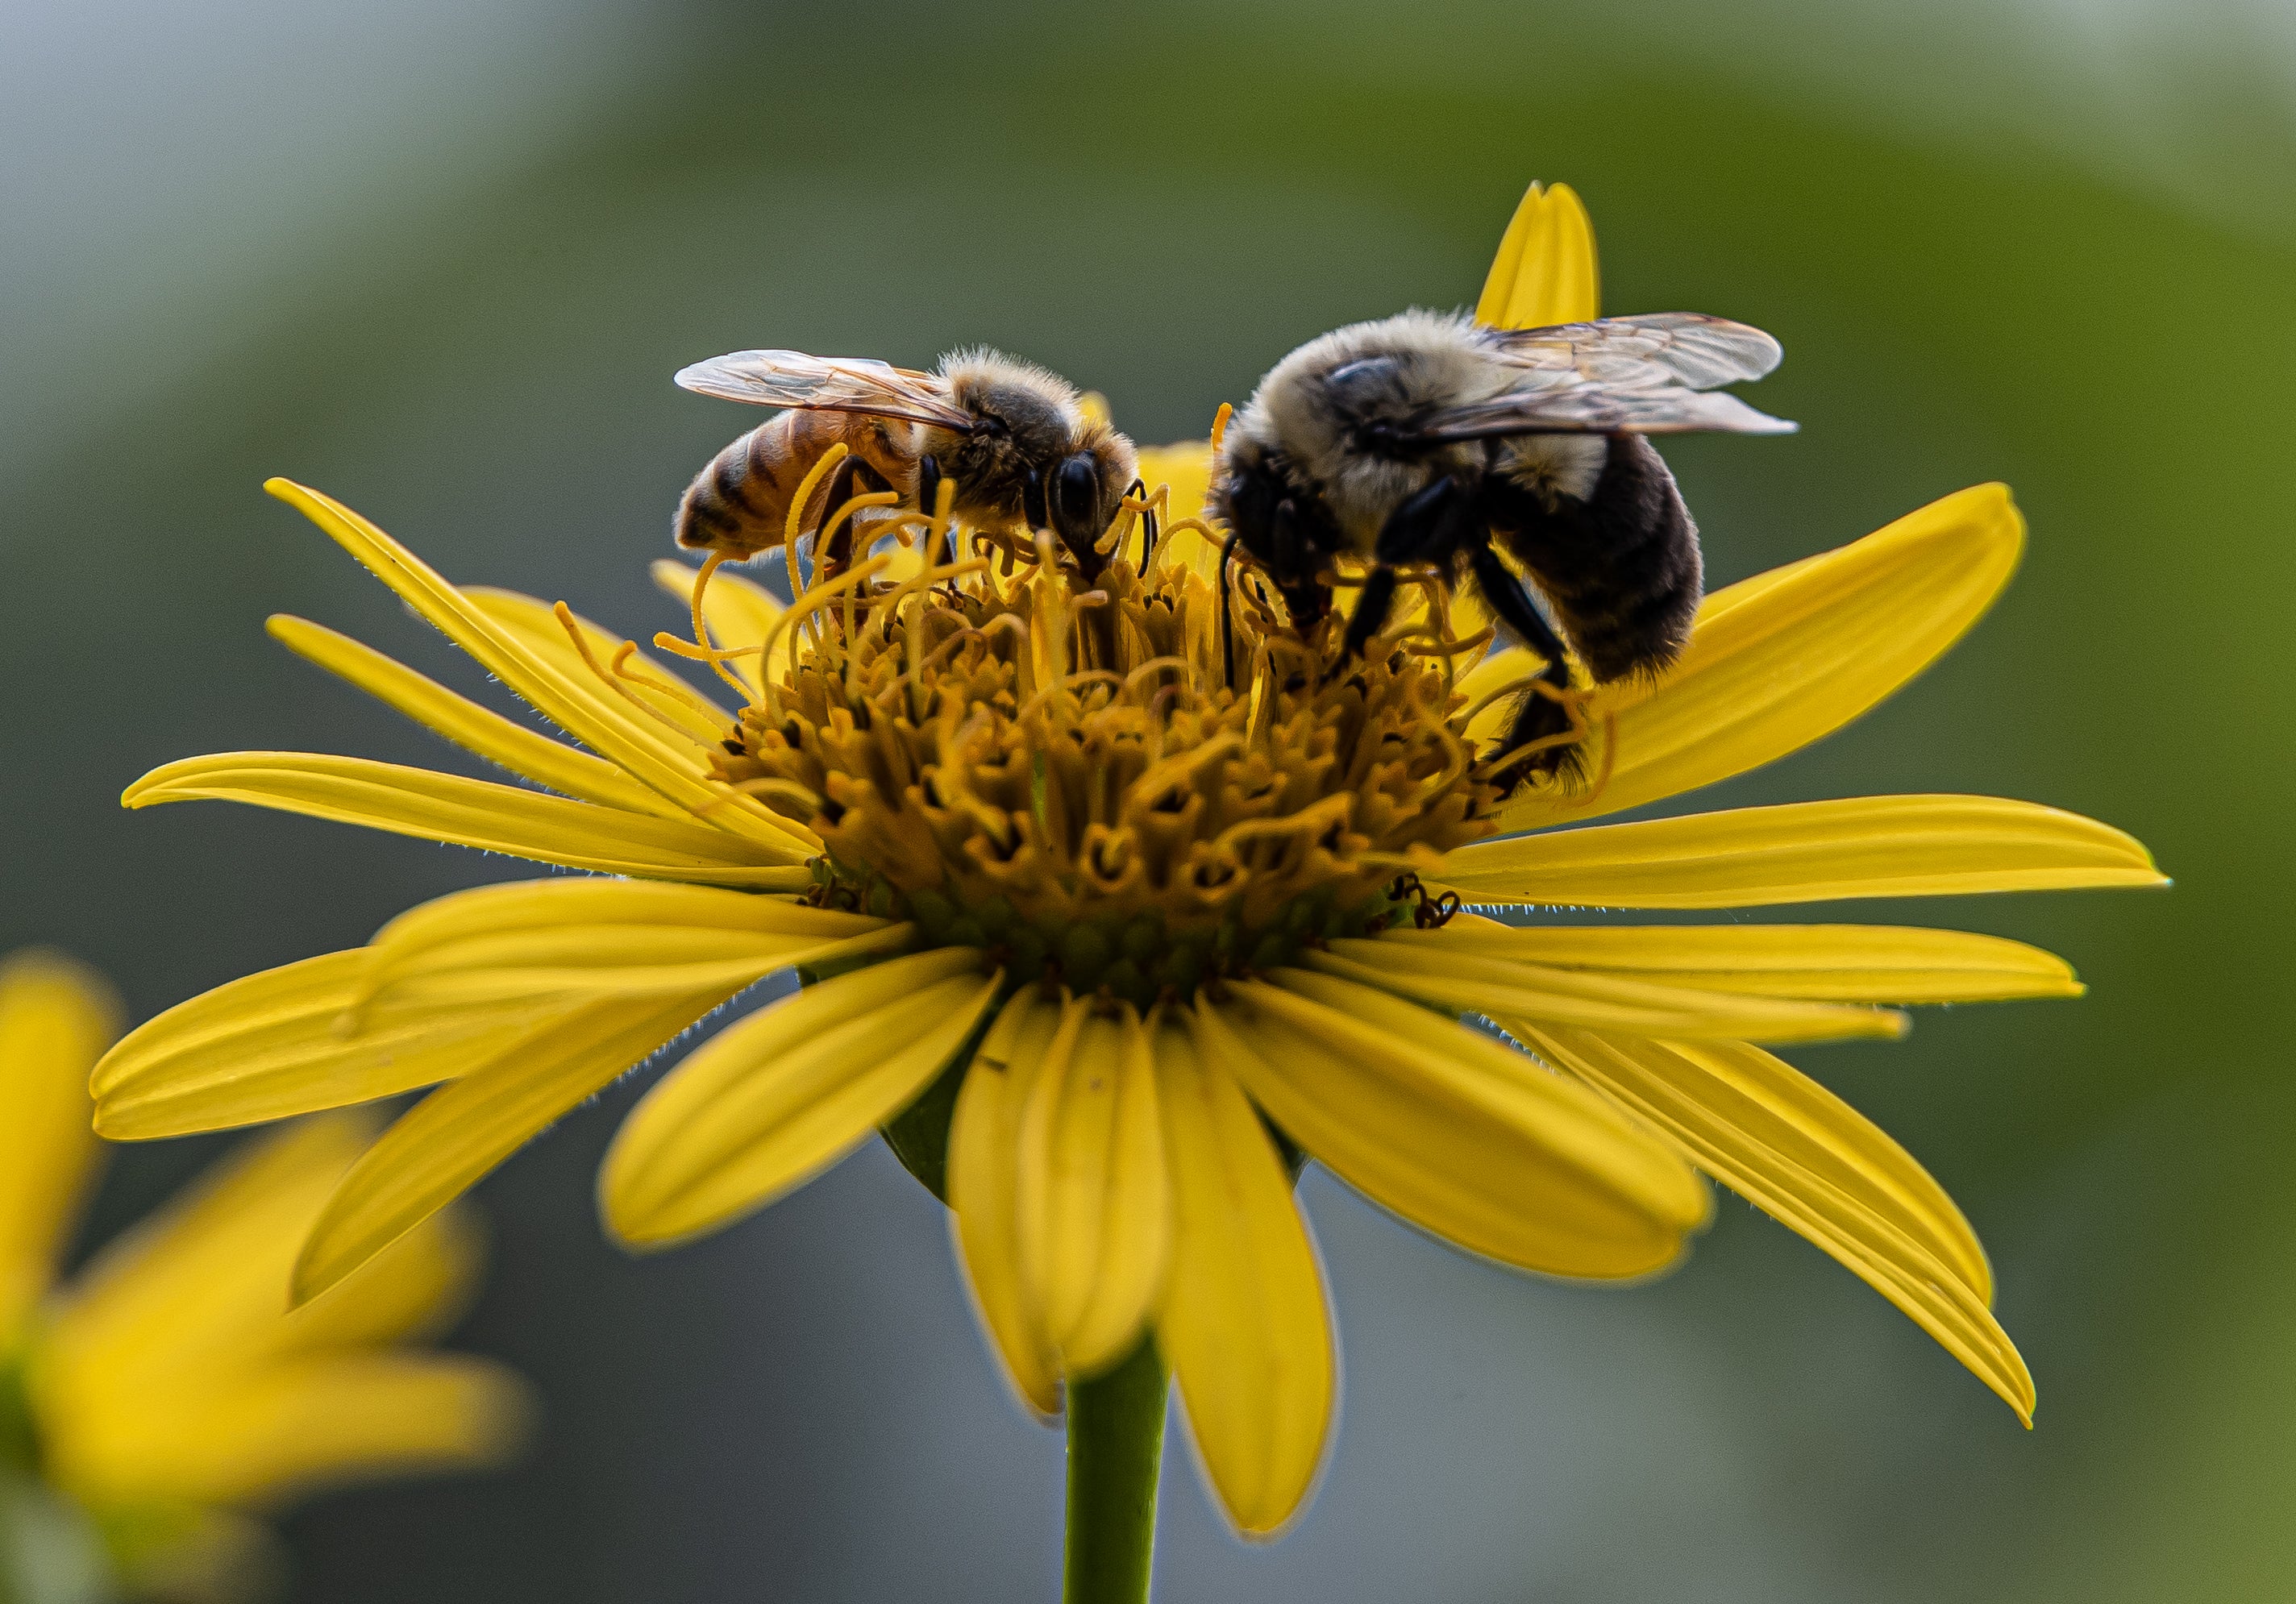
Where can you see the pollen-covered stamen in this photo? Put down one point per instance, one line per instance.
(1063, 775)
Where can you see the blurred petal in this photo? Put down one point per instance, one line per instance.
(276, 1044)
(525, 752)
(770, 1102)
(1849, 963)
(322, 1421)
(473, 813)
(56, 1017)
(1545, 271)
(580, 703)
(1095, 1207)
(984, 1146)
(1788, 656)
(1445, 977)
(442, 1145)
(201, 1288)
(1242, 1321)
(1933, 846)
(1454, 1131)
(1798, 1153)
(739, 611)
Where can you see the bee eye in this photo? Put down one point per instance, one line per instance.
(1076, 497)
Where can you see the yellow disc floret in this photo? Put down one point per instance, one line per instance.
(1073, 778)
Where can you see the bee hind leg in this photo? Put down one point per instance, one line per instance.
(1544, 713)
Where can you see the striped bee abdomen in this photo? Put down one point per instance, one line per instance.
(1621, 567)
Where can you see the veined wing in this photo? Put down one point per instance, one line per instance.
(1583, 407)
(854, 384)
(1685, 347)
(1650, 374)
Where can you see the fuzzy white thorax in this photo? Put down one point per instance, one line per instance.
(1399, 369)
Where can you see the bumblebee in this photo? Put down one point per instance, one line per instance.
(1429, 438)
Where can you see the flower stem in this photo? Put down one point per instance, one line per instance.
(1116, 1438)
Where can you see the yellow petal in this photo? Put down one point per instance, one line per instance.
(772, 1101)
(1095, 1208)
(1545, 271)
(275, 1044)
(1919, 846)
(287, 1430)
(1849, 963)
(597, 937)
(534, 624)
(1453, 1130)
(56, 1017)
(1791, 1148)
(664, 760)
(739, 611)
(171, 1370)
(1242, 1321)
(201, 1287)
(473, 813)
(1784, 658)
(442, 1145)
(984, 1146)
(1462, 982)
(523, 752)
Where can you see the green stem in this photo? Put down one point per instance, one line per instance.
(1116, 1437)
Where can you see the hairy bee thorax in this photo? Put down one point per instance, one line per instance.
(1328, 408)
(1034, 423)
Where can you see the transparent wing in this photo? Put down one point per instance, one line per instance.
(855, 384)
(1689, 348)
(1639, 375)
(1590, 408)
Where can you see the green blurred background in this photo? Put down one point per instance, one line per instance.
(440, 260)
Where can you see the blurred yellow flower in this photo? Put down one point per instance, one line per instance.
(153, 1405)
(1114, 927)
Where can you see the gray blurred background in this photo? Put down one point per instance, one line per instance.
(440, 260)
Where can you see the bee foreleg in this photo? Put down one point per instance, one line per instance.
(1427, 525)
(929, 496)
(1372, 604)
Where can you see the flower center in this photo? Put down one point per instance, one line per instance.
(1065, 770)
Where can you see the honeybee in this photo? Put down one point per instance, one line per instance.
(1431, 438)
(1014, 440)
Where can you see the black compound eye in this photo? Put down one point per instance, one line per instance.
(1075, 497)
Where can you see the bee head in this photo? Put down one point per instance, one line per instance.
(1279, 519)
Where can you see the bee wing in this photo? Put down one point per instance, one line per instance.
(1688, 348)
(1589, 408)
(854, 384)
(1639, 375)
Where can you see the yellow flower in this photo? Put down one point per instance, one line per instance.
(165, 1396)
(1106, 925)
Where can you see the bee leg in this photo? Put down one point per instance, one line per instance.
(1428, 525)
(929, 496)
(832, 547)
(1139, 487)
(1541, 715)
(1227, 610)
(1292, 552)
(1376, 600)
